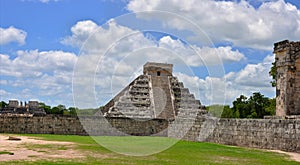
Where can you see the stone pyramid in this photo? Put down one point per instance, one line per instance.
(156, 94)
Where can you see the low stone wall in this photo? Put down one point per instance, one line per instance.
(41, 125)
(258, 133)
(90, 125)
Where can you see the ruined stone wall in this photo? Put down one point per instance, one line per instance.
(41, 124)
(288, 78)
(90, 125)
(257, 133)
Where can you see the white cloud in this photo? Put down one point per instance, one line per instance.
(254, 75)
(92, 38)
(252, 78)
(12, 34)
(217, 90)
(196, 56)
(42, 1)
(118, 41)
(39, 74)
(80, 33)
(114, 54)
(211, 90)
(34, 63)
(239, 23)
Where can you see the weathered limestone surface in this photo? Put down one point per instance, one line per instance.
(259, 133)
(89, 125)
(185, 104)
(156, 94)
(158, 69)
(288, 78)
(133, 102)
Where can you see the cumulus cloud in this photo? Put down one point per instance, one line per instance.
(199, 56)
(39, 74)
(12, 34)
(253, 72)
(92, 38)
(113, 55)
(229, 21)
(116, 40)
(80, 33)
(210, 90)
(35, 63)
(219, 90)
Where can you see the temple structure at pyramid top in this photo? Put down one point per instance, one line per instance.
(158, 69)
(156, 94)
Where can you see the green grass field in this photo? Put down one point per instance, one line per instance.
(182, 152)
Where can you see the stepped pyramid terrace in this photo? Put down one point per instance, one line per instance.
(156, 94)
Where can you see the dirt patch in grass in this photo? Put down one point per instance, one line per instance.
(293, 155)
(34, 149)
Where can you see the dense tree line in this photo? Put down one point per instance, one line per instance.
(256, 106)
(62, 110)
(59, 109)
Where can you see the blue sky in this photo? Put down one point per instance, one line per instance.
(49, 22)
(220, 49)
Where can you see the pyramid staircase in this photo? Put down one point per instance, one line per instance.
(152, 96)
(135, 102)
(185, 104)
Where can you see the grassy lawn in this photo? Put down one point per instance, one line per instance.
(182, 152)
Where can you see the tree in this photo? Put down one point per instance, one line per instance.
(227, 112)
(257, 106)
(273, 74)
(240, 107)
(72, 110)
(56, 110)
(3, 104)
(47, 108)
(258, 103)
(271, 108)
(61, 107)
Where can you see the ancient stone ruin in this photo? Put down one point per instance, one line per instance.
(15, 108)
(287, 62)
(159, 97)
(156, 94)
